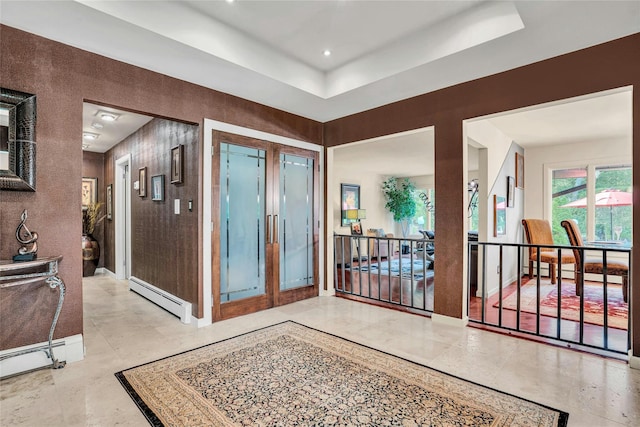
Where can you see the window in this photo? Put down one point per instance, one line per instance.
(604, 213)
(424, 218)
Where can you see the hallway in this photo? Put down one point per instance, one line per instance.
(122, 330)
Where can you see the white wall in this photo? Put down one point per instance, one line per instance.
(371, 199)
(497, 161)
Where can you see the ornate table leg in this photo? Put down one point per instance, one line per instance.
(55, 282)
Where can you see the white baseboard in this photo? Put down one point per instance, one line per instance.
(69, 349)
(200, 323)
(164, 299)
(634, 361)
(451, 321)
(105, 271)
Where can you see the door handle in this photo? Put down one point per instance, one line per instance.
(268, 229)
(275, 228)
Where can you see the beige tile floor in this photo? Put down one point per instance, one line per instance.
(122, 330)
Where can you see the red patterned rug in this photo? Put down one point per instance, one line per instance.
(570, 302)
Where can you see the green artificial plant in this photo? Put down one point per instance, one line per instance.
(400, 201)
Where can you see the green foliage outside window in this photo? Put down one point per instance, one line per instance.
(611, 222)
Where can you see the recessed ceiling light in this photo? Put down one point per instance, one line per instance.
(230, 1)
(90, 136)
(326, 52)
(107, 116)
(97, 125)
(85, 146)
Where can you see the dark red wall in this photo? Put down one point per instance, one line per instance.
(607, 66)
(62, 77)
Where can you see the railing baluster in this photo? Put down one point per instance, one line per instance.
(543, 325)
(559, 315)
(605, 320)
(484, 283)
(368, 266)
(581, 284)
(518, 290)
(500, 286)
(411, 270)
(538, 269)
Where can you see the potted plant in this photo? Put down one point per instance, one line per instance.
(91, 216)
(400, 202)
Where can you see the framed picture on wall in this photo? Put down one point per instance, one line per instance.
(177, 166)
(142, 182)
(349, 199)
(110, 202)
(89, 191)
(519, 170)
(499, 216)
(356, 228)
(157, 188)
(510, 191)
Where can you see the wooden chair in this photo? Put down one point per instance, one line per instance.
(593, 264)
(538, 232)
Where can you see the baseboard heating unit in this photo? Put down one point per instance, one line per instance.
(164, 299)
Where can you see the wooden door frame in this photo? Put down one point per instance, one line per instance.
(272, 297)
(209, 217)
(293, 295)
(252, 304)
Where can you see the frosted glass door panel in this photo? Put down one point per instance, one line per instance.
(296, 221)
(242, 213)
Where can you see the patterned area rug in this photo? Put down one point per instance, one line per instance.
(570, 302)
(289, 374)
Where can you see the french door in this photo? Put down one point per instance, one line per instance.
(265, 238)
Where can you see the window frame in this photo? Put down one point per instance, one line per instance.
(590, 165)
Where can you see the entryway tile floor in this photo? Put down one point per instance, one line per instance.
(122, 330)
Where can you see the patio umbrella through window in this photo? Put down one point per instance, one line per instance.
(606, 198)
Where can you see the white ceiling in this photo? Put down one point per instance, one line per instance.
(109, 133)
(270, 52)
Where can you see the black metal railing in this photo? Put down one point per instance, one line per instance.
(512, 304)
(388, 271)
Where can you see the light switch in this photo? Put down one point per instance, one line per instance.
(136, 185)
(176, 206)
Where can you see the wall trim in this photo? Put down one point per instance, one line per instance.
(68, 349)
(122, 217)
(105, 271)
(164, 299)
(634, 361)
(451, 321)
(207, 215)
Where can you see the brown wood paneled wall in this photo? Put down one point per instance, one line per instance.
(164, 247)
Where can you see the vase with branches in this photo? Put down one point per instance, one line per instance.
(91, 217)
(400, 201)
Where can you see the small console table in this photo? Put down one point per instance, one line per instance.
(43, 270)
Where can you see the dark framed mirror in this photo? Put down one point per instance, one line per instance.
(17, 140)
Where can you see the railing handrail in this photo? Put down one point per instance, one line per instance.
(335, 235)
(543, 245)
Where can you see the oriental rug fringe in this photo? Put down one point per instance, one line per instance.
(289, 374)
